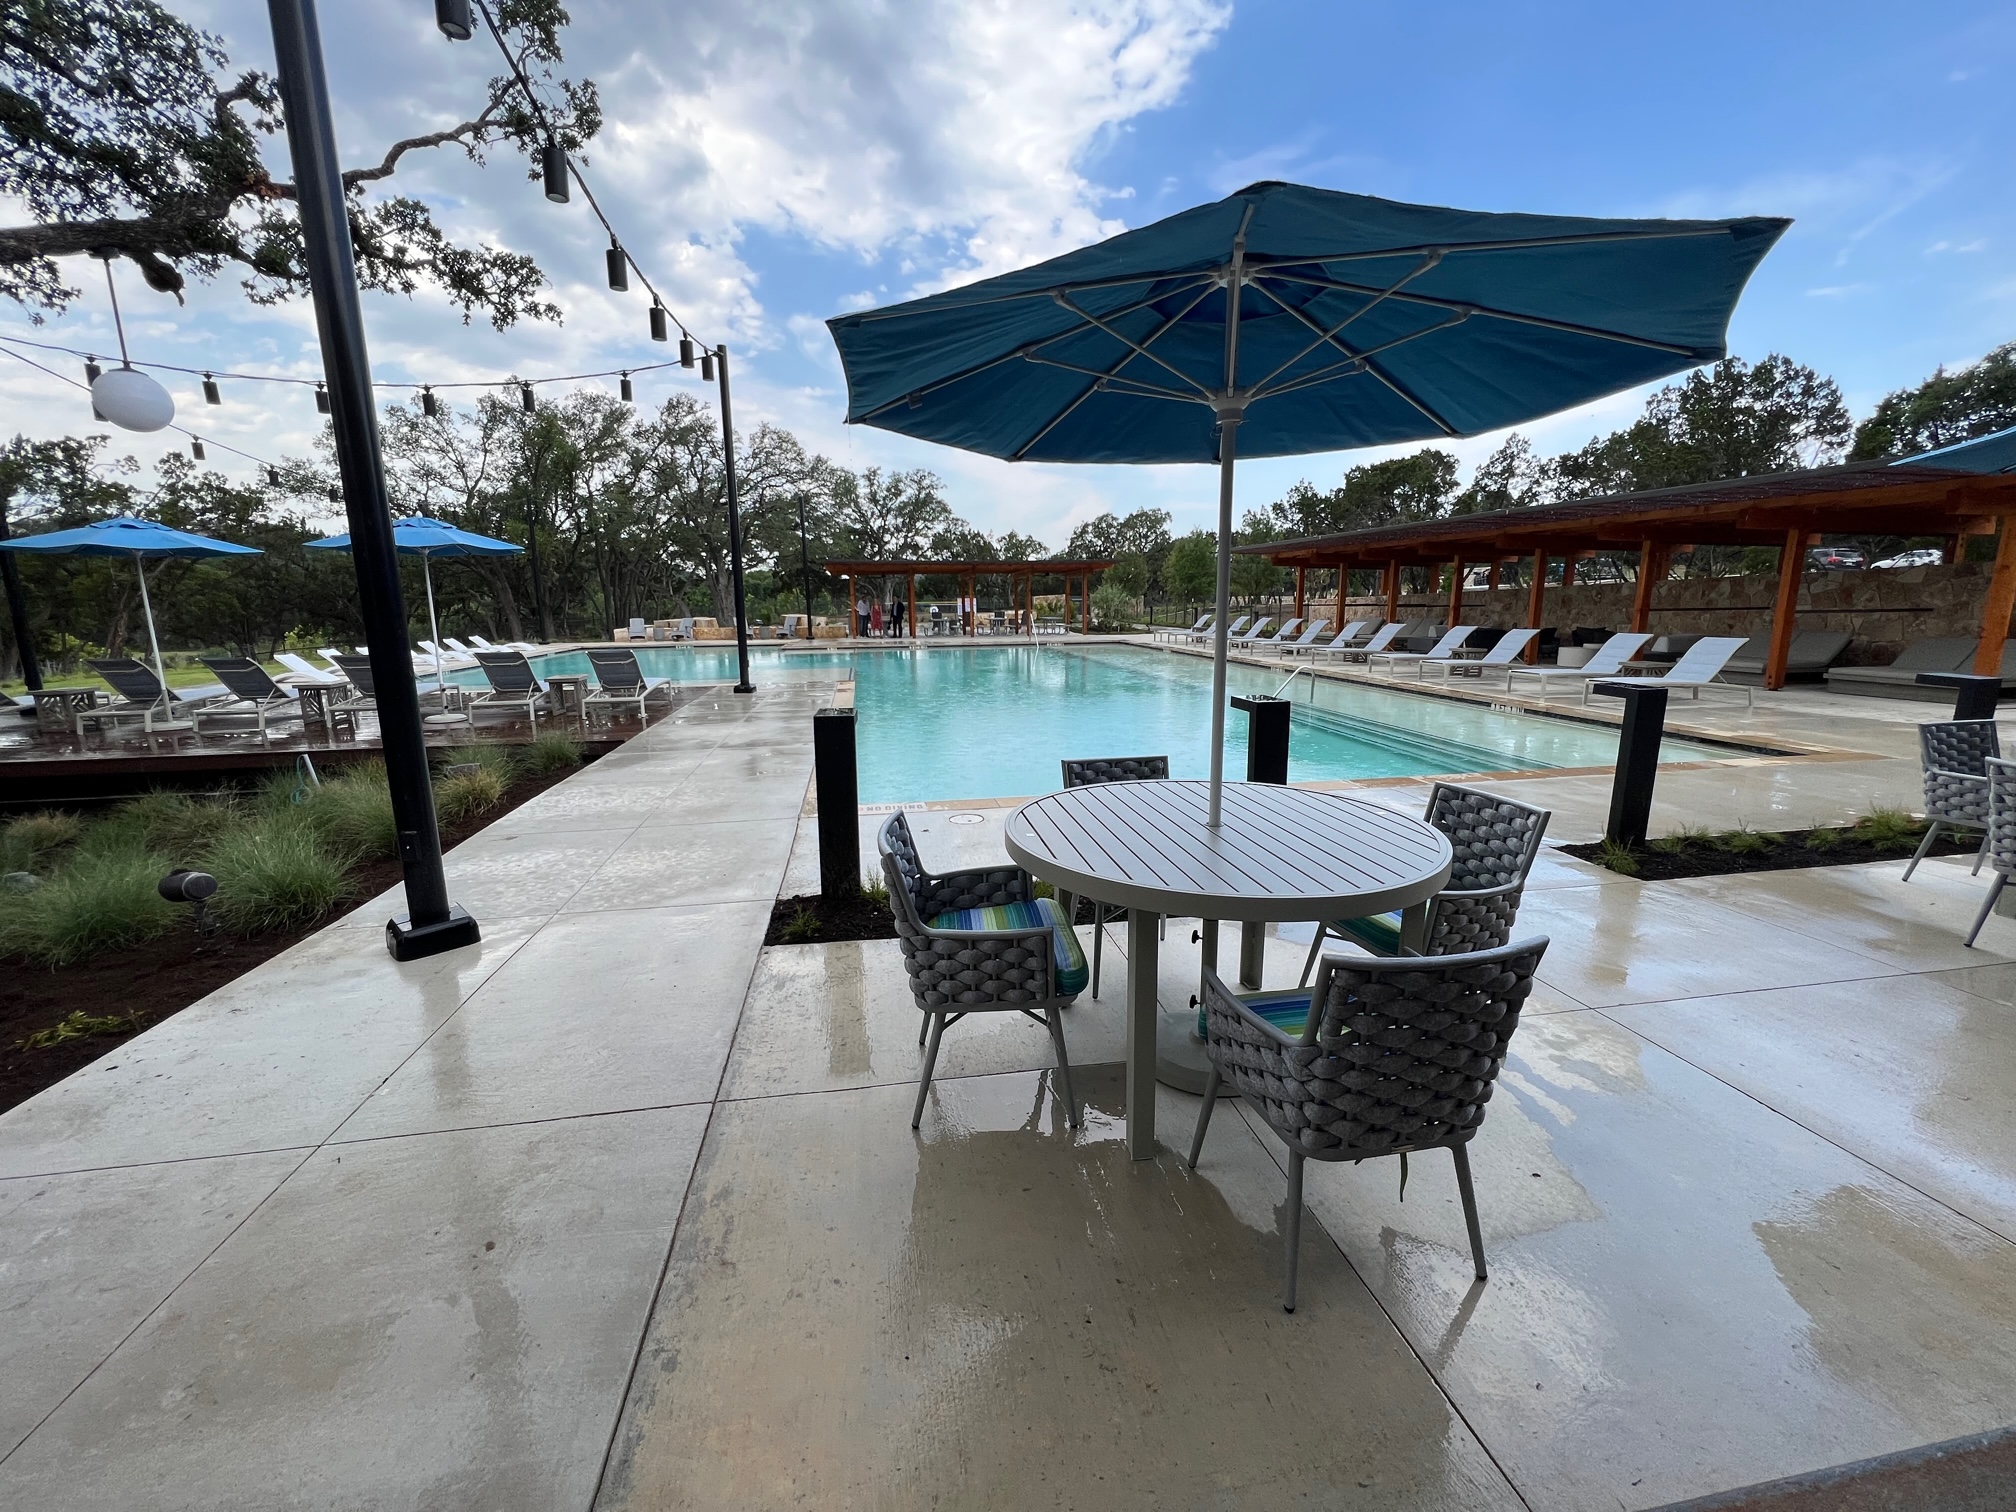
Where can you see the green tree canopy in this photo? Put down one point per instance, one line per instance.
(1191, 572)
(1945, 408)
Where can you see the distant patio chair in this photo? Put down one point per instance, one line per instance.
(2000, 846)
(640, 629)
(1304, 641)
(1086, 772)
(1353, 632)
(1504, 651)
(1495, 841)
(1954, 755)
(980, 942)
(142, 697)
(254, 694)
(1177, 632)
(303, 670)
(1443, 650)
(1608, 661)
(1380, 1057)
(363, 693)
(1282, 636)
(619, 680)
(1209, 632)
(513, 685)
(1259, 628)
(1383, 637)
(1700, 666)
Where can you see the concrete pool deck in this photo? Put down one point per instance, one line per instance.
(622, 1209)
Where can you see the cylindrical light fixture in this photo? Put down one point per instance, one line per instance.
(686, 352)
(624, 389)
(335, 496)
(553, 169)
(273, 477)
(706, 367)
(321, 399)
(659, 330)
(196, 447)
(525, 397)
(619, 267)
(427, 405)
(210, 394)
(452, 16)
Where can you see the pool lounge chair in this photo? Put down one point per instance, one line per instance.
(1504, 651)
(513, 685)
(1209, 633)
(1699, 667)
(1259, 629)
(1352, 632)
(1282, 636)
(980, 942)
(526, 646)
(1812, 652)
(1381, 1057)
(1607, 662)
(1177, 632)
(1383, 637)
(1420, 635)
(254, 695)
(302, 670)
(363, 692)
(1939, 653)
(1443, 650)
(1302, 642)
(142, 699)
(445, 657)
(619, 680)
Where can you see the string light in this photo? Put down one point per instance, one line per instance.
(624, 389)
(272, 476)
(452, 16)
(427, 405)
(706, 367)
(525, 398)
(553, 169)
(321, 399)
(619, 267)
(658, 328)
(210, 394)
(686, 357)
(196, 447)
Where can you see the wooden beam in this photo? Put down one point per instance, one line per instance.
(1393, 589)
(1492, 585)
(1455, 593)
(1651, 572)
(1791, 562)
(912, 627)
(853, 629)
(1568, 570)
(2001, 603)
(1950, 550)
(1301, 574)
(1085, 604)
(1536, 603)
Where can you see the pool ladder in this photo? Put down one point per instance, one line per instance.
(1295, 674)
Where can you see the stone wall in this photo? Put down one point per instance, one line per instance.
(1881, 610)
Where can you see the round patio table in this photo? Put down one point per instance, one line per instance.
(1280, 854)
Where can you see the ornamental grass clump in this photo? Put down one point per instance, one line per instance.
(497, 760)
(31, 842)
(551, 753)
(352, 812)
(178, 826)
(274, 875)
(466, 793)
(1890, 828)
(104, 898)
(1618, 858)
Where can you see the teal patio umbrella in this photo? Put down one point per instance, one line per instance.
(124, 535)
(428, 538)
(1282, 320)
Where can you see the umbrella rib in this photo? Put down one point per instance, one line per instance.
(1048, 291)
(1138, 349)
(1370, 366)
(1328, 337)
(1357, 362)
(1470, 308)
(1102, 379)
(1513, 244)
(1139, 388)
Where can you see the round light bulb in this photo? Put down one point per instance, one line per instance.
(130, 399)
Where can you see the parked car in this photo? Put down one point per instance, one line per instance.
(1924, 556)
(1835, 558)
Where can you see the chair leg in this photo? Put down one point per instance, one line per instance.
(1981, 854)
(1204, 1116)
(1315, 950)
(1931, 834)
(1987, 907)
(1055, 1020)
(1098, 940)
(1469, 1196)
(1292, 1237)
(930, 1063)
(923, 1027)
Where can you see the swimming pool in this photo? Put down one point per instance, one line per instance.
(994, 721)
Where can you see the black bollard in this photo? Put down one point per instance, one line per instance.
(1266, 738)
(1637, 759)
(837, 788)
(1975, 694)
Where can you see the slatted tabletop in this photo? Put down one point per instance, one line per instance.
(1281, 853)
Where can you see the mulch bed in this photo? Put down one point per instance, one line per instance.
(1789, 851)
(145, 984)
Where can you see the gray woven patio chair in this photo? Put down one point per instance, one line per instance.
(1955, 754)
(979, 942)
(2001, 841)
(1397, 1056)
(1495, 840)
(1112, 769)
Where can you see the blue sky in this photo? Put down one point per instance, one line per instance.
(776, 161)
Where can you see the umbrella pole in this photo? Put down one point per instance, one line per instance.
(433, 624)
(1228, 432)
(153, 641)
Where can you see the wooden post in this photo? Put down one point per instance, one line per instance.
(1651, 572)
(1951, 550)
(1568, 571)
(913, 606)
(1455, 593)
(1393, 589)
(1085, 604)
(1536, 603)
(1491, 584)
(1301, 574)
(852, 628)
(1791, 561)
(2001, 603)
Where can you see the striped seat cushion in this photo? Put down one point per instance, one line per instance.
(1286, 1011)
(1378, 933)
(1012, 918)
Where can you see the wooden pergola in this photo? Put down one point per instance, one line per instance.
(1786, 510)
(969, 573)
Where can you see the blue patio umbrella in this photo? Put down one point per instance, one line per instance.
(427, 538)
(1992, 453)
(1358, 322)
(123, 535)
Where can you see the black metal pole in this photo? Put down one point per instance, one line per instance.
(1637, 760)
(805, 565)
(734, 522)
(17, 610)
(431, 923)
(836, 790)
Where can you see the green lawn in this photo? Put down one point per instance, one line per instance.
(195, 674)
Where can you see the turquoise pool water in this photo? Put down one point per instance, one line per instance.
(994, 721)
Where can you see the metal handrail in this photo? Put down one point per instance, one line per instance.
(1295, 674)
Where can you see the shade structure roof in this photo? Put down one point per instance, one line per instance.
(1361, 322)
(125, 535)
(958, 569)
(1864, 498)
(1994, 453)
(422, 535)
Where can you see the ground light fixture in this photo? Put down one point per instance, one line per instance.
(210, 393)
(553, 169)
(660, 331)
(619, 267)
(452, 16)
(196, 888)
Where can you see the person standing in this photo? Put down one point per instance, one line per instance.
(875, 617)
(898, 611)
(860, 616)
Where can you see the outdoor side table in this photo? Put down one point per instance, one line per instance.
(570, 693)
(1280, 854)
(58, 708)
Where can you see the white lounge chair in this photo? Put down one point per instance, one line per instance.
(1177, 632)
(302, 670)
(528, 647)
(1259, 629)
(1308, 638)
(1209, 632)
(1699, 667)
(1510, 646)
(619, 680)
(1282, 636)
(1344, 640)
(1383, 637)
(1607, 662)
(1443, 650)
